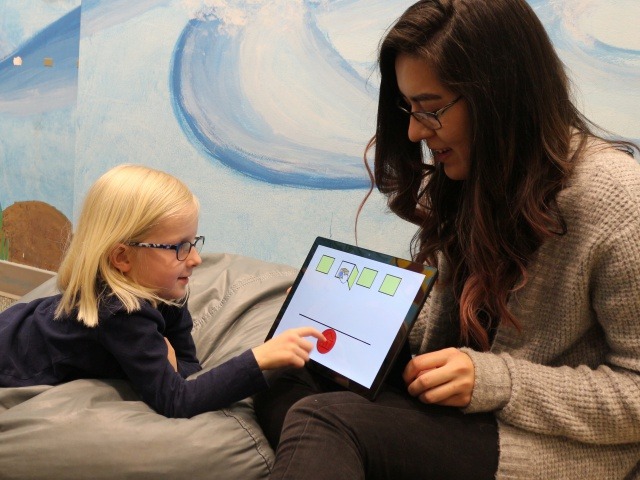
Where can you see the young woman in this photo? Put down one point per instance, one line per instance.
(122, 312)
(527, 357)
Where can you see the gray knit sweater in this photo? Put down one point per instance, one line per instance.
(566, 388)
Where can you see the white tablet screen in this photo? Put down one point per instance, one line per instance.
(359, 302)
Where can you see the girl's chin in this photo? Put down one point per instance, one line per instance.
(174, 295)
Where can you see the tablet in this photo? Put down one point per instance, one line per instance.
(365, 304)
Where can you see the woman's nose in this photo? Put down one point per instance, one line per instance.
(417, 131)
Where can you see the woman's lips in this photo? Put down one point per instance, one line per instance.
(441, 154)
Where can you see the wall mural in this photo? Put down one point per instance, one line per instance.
(262, 106)
(39, 43)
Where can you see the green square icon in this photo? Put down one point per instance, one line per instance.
(325, 264)
(352, 277)
(367, 277)
(390, 285)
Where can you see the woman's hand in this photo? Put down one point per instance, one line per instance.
(171, 355)
(445, 377)
(289, 349)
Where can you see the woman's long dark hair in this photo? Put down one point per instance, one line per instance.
(525, 134)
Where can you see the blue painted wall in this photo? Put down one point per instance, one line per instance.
(262, 107)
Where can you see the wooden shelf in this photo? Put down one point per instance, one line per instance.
(17, 280)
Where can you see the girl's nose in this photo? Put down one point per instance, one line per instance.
(194, 257)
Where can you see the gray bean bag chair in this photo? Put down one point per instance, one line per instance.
(101, 429)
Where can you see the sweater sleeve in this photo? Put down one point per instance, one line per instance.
(137, 343)
(589, 390)
(178, 331)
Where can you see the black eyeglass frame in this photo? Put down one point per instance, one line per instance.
(427, 118)
(178, 247)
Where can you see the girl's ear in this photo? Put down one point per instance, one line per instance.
(120, 258)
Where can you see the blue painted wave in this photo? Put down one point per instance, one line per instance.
(576, 29)
(285, 97)
(33, 88)
(219, 97)
(254, 132)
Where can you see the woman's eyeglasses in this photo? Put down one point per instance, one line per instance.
(428, 119)
(182, 249)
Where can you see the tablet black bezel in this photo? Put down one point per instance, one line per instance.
(431, 274)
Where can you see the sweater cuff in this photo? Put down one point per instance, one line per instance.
(253, 372)
(492, 389)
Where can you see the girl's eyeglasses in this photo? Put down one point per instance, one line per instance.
(182, 249)
(428, 119)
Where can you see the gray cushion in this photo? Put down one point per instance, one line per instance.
(101, 430)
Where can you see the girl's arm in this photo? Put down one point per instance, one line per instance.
(289, 349)
(171, 354)
(137, 343)
(178, 333)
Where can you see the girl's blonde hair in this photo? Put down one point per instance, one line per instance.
(123, 205)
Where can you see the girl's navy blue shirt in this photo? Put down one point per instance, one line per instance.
(36, 349)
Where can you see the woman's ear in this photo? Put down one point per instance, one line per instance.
(120, 258)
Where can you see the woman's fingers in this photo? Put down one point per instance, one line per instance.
(445, 377)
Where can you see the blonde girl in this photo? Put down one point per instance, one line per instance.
(123, 310)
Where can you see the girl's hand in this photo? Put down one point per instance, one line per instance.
(289, 349)
(171, 355)
(445, 377)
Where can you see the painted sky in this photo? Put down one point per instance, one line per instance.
(37, 102)
(262, 106)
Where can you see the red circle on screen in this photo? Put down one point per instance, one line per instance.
(327, 345)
